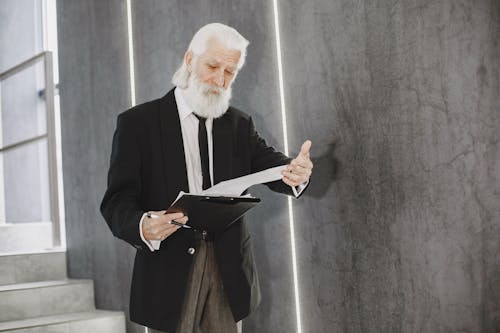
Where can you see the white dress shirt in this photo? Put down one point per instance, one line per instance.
(189, 127)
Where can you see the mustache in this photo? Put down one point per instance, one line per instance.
(207, 88)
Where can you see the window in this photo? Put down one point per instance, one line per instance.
(31, 200)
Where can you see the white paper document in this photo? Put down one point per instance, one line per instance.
(236, 186)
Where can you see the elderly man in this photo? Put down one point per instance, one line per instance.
(185, 280)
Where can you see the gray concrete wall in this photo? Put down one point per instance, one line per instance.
(94, 88)
(399, 229)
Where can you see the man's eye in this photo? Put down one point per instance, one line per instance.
(229, 73)
(212, 66)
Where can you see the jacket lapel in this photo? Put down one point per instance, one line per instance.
(172, 145)
(222, 149)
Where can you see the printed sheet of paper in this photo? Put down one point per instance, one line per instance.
(237, 186)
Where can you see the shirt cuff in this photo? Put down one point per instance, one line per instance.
(297, 190)
(152, 244)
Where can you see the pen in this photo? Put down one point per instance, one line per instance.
(154, 216)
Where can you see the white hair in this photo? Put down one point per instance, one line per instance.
(228, 36)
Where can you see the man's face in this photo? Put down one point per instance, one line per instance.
(209, 85)
(217, 66)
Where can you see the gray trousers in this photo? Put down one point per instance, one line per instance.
(205, 308)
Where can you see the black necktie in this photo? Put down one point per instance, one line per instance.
(203, 143)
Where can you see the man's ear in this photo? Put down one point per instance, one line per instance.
(188, 59)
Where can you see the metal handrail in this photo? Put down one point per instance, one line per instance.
(22, 65)
(23, 142)
(50, 135)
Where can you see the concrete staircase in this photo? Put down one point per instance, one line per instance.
(37, 297)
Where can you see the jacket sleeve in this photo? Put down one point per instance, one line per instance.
(120, 204)
(264, 157)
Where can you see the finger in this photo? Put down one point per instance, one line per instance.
(167, 226)
(296, 167)
(161, 216)
(157, 212)
(290, 182)
(303, 162)
(302, 174)
(165, 219)
(182, 220)
(299, 178)
(306, 146)
(293, 175)
(296, 179)
(170, 227)
(302, 170)
(173, 216)
(287, 181)
(158, 223)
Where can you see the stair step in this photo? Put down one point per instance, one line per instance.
(96, 321)
(35, 299)
(31, 267)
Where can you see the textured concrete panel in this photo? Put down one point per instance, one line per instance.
(94, 88)
(399, 231)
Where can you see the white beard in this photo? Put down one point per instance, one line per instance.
(204, 103)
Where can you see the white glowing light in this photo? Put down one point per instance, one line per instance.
(131, 53)
(285, 139)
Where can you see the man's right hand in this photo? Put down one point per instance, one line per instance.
(158, 226)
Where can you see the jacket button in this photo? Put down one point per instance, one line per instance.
(191, 250)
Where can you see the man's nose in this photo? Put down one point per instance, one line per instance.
(218, 79)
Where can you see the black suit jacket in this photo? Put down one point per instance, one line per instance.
(147, 171)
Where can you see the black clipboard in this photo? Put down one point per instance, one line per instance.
(212, 213)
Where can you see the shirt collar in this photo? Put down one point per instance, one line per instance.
(183, 107)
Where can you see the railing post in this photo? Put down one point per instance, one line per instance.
(52, 150)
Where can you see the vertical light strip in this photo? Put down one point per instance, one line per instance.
(280, 75)
(50, 24)
(285, 138)
(131, 53)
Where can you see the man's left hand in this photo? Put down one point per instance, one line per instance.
(300, 168)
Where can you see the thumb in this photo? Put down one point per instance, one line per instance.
(306, 146)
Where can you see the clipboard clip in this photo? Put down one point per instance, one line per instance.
(222, 200)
